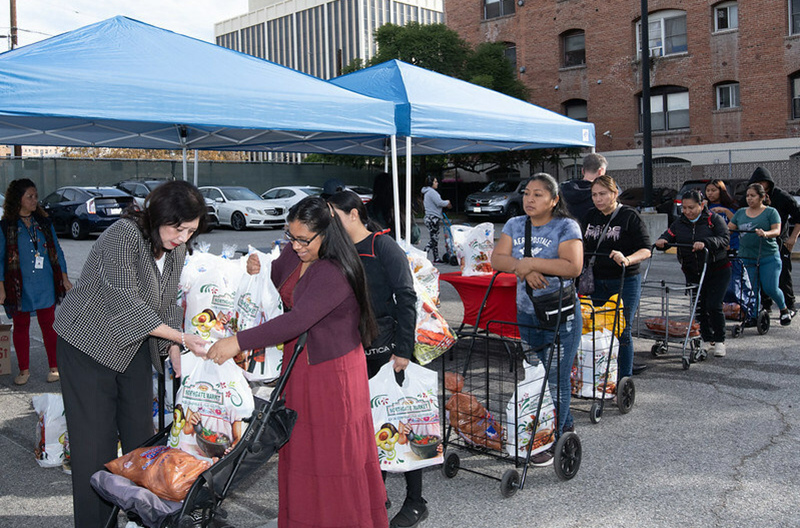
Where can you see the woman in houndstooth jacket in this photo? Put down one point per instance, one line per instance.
(121, 318)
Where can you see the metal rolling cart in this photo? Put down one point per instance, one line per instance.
(487, 368)
(666, 314)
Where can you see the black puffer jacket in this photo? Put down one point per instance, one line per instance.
(779, 199)
(709, 229)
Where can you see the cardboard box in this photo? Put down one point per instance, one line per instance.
(5, 349)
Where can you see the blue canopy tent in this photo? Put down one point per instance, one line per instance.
(441, 115)
(123, 83)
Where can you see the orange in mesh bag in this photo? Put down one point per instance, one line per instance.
(166, 471)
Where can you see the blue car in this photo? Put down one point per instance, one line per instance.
(83, 210)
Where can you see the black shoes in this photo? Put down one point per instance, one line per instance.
(638, 368)
(410, 515)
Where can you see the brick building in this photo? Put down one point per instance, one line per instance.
(725, 76)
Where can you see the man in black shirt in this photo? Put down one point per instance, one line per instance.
(577, 194)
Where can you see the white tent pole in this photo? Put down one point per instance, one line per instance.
(185, 168)
(395, 187)
(196, 169)
(408, 190)
(386, 162)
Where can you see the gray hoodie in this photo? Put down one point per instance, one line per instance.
(433, 202)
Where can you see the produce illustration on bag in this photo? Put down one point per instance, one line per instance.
(408, 431)
(477, 251)
(588, 376)
(529, 391)
(213, 401)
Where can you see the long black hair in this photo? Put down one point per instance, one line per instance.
(551, 186)
(14, 193)
(725, 199)
(346, 201)
(315, 213)
(172, 204)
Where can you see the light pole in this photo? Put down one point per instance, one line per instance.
(13, 18)
(647, 137)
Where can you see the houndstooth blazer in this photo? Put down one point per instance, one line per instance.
(121, 298)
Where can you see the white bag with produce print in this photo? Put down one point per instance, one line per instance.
(51, 430)
(477, 250)
(408, 430)
(591, 363)
(212, 403)
(528, 393)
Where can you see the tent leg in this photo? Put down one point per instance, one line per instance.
(185, 168)
(408, 190)
(395, 188)
(196, 169)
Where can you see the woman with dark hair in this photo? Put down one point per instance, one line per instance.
(33, 272)
(556, 249)
(719, 200)
(328, 472)
(393, 300)
(115, 325)
(760, 226)
(696, 230)
(434, 203)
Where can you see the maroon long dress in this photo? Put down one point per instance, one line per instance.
(328, 472)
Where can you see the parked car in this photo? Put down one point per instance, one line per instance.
(365, 193)
(83, 210)
(736, 188)
(239, 207)
(500, 199)
(2, 203)
(286, 197)
(139, 189)
(663, 198)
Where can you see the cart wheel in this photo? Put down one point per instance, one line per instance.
(595, 413)
(698, 354)
(509, 484)
(567, 459)
(187, 521)
(626, 395)
(454, 260)
(685, 362)
(659, 349)
(736, 331)
(762, 324)
(451, 464)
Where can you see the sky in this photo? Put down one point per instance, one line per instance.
(40, 19)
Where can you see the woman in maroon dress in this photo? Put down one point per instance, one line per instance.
(328, 472)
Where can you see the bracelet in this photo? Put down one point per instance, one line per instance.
(183, 343)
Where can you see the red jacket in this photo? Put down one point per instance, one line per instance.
(324, 305)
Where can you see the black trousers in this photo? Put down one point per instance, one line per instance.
(709, 307)
(102, 406)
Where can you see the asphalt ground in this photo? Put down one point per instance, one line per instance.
(715, 445)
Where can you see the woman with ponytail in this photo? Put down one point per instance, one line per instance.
(328, 472)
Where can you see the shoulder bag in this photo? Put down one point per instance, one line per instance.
(586, 280)
(549, 305)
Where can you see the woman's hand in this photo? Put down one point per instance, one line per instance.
(523, 267)
(253, 264)
(660, 243)
(536, 280)
(698, 246)
(400, 364)
(196, 344)
(223, 350)
(619, 258)
(174, 352)
(761, 233)
(67, 283)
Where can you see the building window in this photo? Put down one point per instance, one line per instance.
(498, 8)
(728, 95)
(795, 80)
(794, 16)
(576, 109)
(574, 45)
(726, 16)
(511, 54)
(669, 108)
(667, 32)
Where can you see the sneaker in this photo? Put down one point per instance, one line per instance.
(544, 458)
(568, 429)
(708, 346)
(719, 350)
(786, 318)
(410, 515)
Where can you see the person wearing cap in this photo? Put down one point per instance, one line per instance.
(787, 208)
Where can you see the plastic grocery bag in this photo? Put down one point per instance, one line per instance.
(460, 233)
(212, 403)
(258, 301)
(588, 376)
(433, 336)
(208, 287)
(51, 430)
(477, 251)
(528, 393)
(602, 317)
(423, 271)
(406, 418)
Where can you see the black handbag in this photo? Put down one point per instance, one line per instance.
(586, 280)
(548, 306)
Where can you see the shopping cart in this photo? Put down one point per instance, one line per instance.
(594, 374)
(489, 416)
(743, 299)
(667, 311)
(449, 256)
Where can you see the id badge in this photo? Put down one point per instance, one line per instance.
(39, 262)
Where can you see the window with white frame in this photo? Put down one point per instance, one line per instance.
(794, 17)
(574, 45)
(669, 108)
(728, 95)
(795, 82)
(498, 8)
(666, 33)
(576, 109)
(726, 16)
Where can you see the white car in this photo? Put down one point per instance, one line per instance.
(286, 197)
(239, 207)
(365, 193)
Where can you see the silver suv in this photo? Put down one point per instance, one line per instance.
(499, 199)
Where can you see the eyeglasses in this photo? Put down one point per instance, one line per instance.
(302, 242)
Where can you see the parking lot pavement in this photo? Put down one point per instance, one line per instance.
(715, 445)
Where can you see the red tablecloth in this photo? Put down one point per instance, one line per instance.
(501, 305)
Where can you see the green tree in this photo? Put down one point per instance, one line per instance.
(431, 46)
